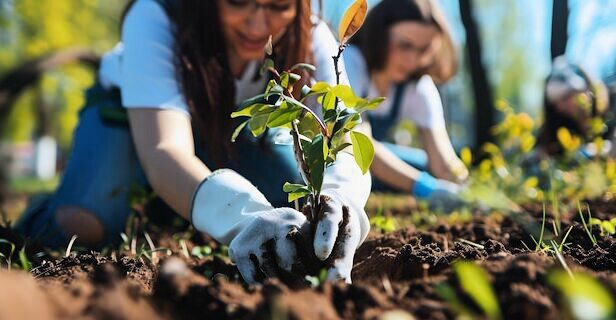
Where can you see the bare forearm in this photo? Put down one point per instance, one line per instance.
(174, 176)
(442, 159)
(391, 170)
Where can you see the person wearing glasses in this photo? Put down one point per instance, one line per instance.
(402, 49)
(181, 69)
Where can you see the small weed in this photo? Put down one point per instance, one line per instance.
(586, 225)
(7, 258)
(606, 226)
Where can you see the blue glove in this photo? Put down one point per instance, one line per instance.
(441, 195)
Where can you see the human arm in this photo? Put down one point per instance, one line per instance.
(442, 159)
(424, 107)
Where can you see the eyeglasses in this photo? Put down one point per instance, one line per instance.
(409, 48)
(246, 7)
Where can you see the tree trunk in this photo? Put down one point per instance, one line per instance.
(560, 18)
(482, 92)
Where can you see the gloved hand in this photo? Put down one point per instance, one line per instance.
(441, 195)
(341, 223)
(340, 229)
(265, 248)
(262, 240)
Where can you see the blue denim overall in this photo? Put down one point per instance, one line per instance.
(382, 126)
(103, 167)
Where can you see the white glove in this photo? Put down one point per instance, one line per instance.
(231, 210)
(342, 223)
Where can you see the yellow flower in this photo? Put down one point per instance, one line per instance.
(466, 157)
(568, 141)
(525, 121)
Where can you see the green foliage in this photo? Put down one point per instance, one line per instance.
(512, 171)
(24, 262)
(38, 27)
(382, 223)
(474, 282)
(7, 258)
(592, 237)
(606, 226)
(317, 140)
(583, 295)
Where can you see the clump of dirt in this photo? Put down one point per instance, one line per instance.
(394, 272)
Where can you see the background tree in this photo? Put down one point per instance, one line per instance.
(560, 18)
(36, 29)
(484, 106)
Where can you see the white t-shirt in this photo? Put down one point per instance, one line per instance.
(143, 64)
(420, 101)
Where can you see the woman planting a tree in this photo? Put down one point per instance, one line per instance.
(400, 51)
(181, 70)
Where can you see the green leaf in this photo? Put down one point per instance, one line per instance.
(284, 115)
(346, 95)
(586, 297)
(365, 105)
(363, 150)
(347, 119)
(315, 159)
(608, 226)
(320, 86)
(308, 126)
(267, 64)
(474, 282)
(339, 148)
(258, 123)
(26, 265)
(448, 294)
(238, 130)
(329, 101)
(270, 84)
(304, 66)
(296, 191)
(249, 110)
(284, 79)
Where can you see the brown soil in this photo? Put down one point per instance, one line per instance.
(394, 273)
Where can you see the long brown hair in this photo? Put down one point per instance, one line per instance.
(203, 68)
(373, 37)
(553, 120)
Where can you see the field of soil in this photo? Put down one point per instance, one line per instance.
(395, 276)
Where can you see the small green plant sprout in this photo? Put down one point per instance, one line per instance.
(474, 282)
(606, 226)
(586, 225)
(552, 246)
(316, 140)
(583, 296)
(382, 223)
(7, 258)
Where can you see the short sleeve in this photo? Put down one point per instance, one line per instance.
(422, 104)
(148, 78)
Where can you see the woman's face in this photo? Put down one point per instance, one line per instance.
(411, 47)
(576, 106)
(248, 24)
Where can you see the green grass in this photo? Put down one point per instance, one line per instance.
(28, 185)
